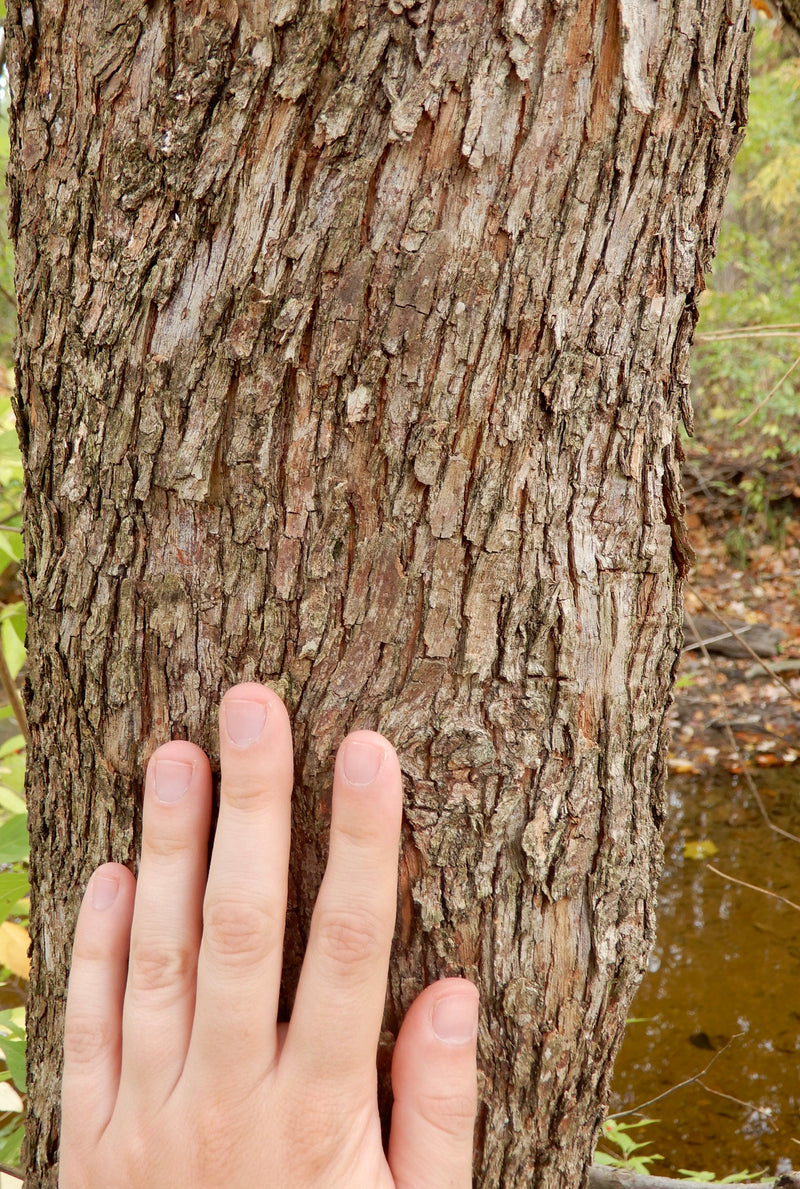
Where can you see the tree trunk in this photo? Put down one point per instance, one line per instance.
(353, 344)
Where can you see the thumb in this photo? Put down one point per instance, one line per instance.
(434, 1079)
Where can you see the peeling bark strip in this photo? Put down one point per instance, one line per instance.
(354, 338)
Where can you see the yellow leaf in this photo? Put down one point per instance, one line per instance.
(699, 850)
(676, 764)
(14, 942)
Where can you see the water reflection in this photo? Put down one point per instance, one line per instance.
(725, 971)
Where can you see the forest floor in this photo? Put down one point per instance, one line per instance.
(745, 529)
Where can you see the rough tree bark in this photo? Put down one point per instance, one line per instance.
(354, 340)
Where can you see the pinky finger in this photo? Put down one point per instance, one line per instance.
(93, 1025)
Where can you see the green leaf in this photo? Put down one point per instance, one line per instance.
(9, 446)
(14, 887)
(12, 1046)
(11, 746)
(14, 842)
(12, 767)
(12, 773)
(11, 1145)
(12, 635)
(11, 801)
(12, 546)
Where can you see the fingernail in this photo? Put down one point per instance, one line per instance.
(244, 721)
(361, 761)
(104, 891)
(172, 779)
(455, 1019)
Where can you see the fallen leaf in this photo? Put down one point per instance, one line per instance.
(676, 764)
(699, 850)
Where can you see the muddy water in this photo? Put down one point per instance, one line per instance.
(726, 968)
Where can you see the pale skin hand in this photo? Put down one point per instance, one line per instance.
(176, 1074)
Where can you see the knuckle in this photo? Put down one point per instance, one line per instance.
(167, 840)
(349, 938)
(241, 930)
(340, 1133)
(156, 967)
(214, 1134)
(451, 1113)
(87, 1038)
(249, 790)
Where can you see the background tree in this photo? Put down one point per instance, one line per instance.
(353, 343)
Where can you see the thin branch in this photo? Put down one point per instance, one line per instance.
(754, 326)
(637, 1110)
(769, 395)
(749, 1106)
(717, 337)
(14, 700)
(738, 634)
(702, 643)
(754, 887)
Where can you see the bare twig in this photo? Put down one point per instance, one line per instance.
(723, 337)
(14, 700)
(703, 643)
(726, 330)
(754, 887)
(769, 395)
(734, 632)
(749, 1106)
(637, 1110)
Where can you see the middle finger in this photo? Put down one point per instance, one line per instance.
(239, 967)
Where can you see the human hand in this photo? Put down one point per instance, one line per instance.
(176, 1074)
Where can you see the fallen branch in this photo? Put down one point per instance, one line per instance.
(614, 1178)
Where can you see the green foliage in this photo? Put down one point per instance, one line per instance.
(756, 280)
(629, 1154)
